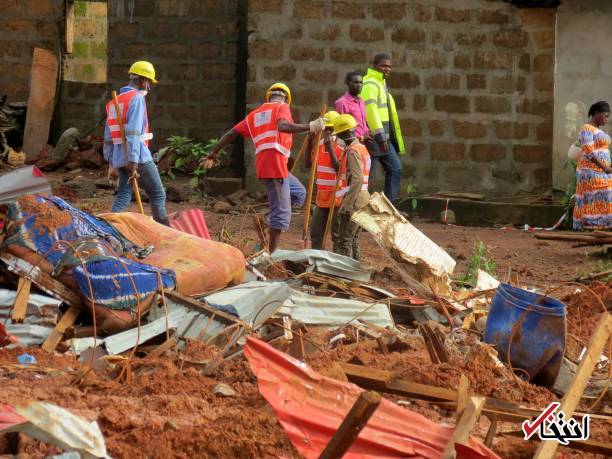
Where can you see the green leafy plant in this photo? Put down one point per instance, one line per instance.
(411, 190)
(481, 258)
(184, 155)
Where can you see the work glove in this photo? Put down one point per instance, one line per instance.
(132, 169)
(209, 162)
(317, 125)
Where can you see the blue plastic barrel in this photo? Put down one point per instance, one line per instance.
(537, 326)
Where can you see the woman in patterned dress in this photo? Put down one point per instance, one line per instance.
(593, 209)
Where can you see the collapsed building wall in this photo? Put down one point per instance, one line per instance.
(473, 80)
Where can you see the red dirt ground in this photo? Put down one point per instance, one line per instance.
(168, 412)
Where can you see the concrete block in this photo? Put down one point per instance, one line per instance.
(532, 154)
(306, 53)
(452, 15)
(467, 130)
(452, 104)
(359, 33)
(487, 152)
(445, 151)
(429, 59)
(348, 55)
(393, 11)
(492, 104)
(348, 10)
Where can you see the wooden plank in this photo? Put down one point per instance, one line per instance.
(297, 346)
(58, 332)
(20, 306)
(547, 449)
(203, 308)
(69, 25)
(462, 395)
(383, 381)
(574, 237)
(41, 279)
(43, 82)
(163, 347)
(465, 426)
(353, 423)
(491, 432)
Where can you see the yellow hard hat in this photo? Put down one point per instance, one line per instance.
(279, 86)
(344, 123)
(330, 116)
(144, 69)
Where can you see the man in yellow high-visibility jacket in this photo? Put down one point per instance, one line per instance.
(383, 122)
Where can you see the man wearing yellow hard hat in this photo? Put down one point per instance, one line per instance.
(139, 162)
(358, 163)
(327, 170)
(270, 127)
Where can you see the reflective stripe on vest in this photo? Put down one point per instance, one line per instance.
(263, 129)
(124, 100)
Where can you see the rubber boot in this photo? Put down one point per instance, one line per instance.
(275, 237)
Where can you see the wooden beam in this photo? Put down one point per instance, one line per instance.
(547, 449)
(20, 306)
(462, 395)
(464, 426)
(203, 308)
(58, 332)
(41, 279)
(491, 432)
(43, 82)
(353, 423)
(296, 349)
(384, 381)
(163, 347)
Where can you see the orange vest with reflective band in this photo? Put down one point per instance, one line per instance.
(366, 160)
(124, 101)
(326, 177)
(262, 124)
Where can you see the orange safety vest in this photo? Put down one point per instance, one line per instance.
(124, 100)
(262, 124)
(326, 177)
(366, 160)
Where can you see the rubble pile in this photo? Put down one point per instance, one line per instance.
(103, 319)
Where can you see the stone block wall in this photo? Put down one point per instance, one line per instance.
(193, 46)
(473, 80)
(88, 61)
(26, 24)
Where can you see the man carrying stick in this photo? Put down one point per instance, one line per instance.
(270, 127)
(327, 170)
(357, 162)
(139, 161)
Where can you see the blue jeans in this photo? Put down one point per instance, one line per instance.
(150, 181)
(279, 200)
(297, 191)
(393, 172)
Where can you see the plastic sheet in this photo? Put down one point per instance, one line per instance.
(310, 407)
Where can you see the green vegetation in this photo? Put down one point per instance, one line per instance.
(183, 156)
(480, 259)
(411, 191)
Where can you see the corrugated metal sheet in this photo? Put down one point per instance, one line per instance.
(190, 221)
(27, 180)
(326, 262)
(311, 407)
(41, 317)
(330, 311)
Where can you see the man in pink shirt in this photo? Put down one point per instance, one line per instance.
(351, 104)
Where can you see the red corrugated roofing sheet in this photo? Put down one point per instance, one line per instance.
(310, 407)
(191, 222)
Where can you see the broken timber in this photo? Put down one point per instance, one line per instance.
(41, 279)
(353, 423)
(20, 306)
(384, 381)
(57, 334)
(464, 426)
(570, 400)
